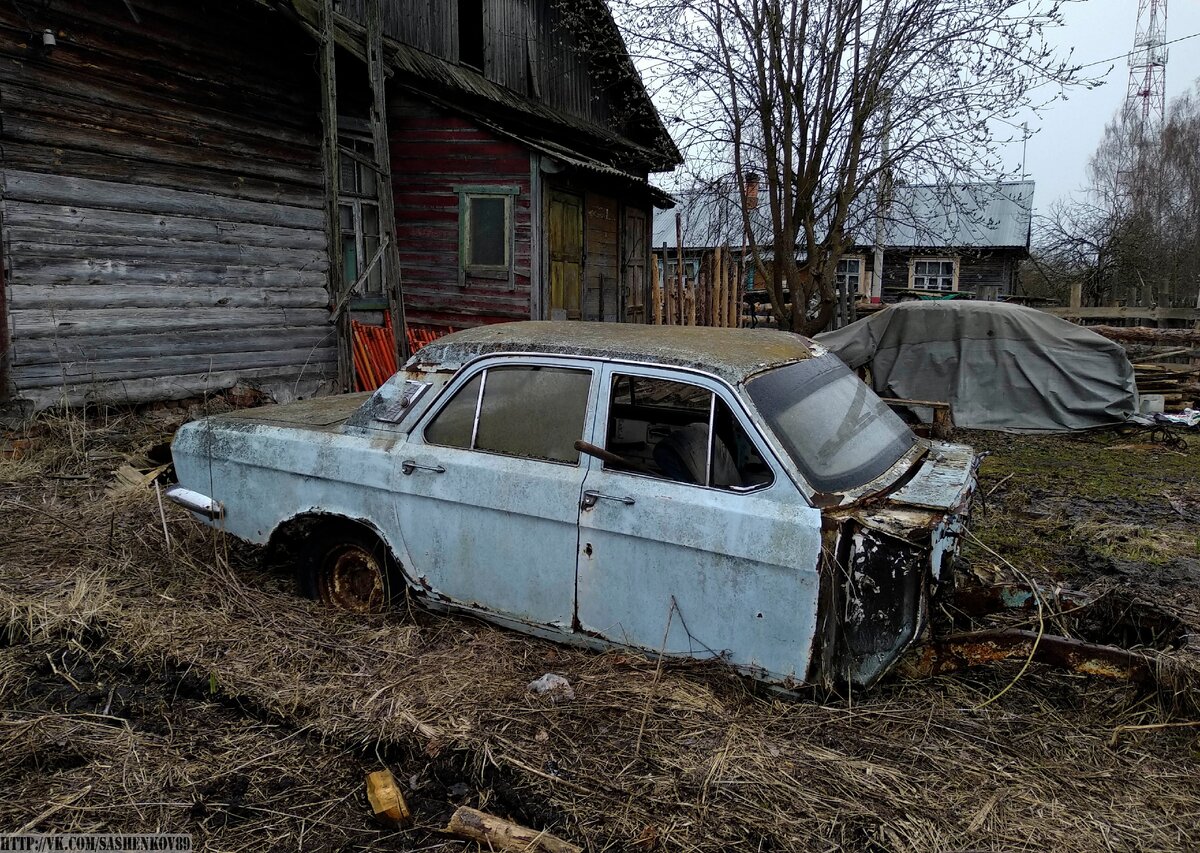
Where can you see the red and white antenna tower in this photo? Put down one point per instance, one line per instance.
(1146, 98)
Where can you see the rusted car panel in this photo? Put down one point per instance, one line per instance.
(670, 490)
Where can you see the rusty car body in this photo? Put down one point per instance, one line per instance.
(735, 494)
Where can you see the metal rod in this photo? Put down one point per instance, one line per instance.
(478, 408)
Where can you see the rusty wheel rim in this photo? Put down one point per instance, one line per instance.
(353, 580)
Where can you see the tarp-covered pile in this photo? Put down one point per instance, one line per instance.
(999, 366)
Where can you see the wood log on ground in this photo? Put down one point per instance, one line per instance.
(1146, 334)
(386, 800)
(499, 834)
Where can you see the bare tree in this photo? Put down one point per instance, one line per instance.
(832, 101)
(1135, 235)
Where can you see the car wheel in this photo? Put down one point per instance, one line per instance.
(349, 568)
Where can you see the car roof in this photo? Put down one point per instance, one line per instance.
(732, 354)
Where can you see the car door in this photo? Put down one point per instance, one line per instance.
(694, 542)
(489, 488)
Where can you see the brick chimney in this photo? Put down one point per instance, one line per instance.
(751, 179)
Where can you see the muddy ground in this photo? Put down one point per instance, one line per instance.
(186, 688)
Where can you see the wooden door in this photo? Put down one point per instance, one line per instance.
(634, 258)
(602, 272)
(566, 256)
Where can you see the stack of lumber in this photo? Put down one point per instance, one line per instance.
(1165, 361)
(1178, 380)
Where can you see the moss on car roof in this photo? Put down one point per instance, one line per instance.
(732, 354)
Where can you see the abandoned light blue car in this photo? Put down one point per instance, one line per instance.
(709, 493)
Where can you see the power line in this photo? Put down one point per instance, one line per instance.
(1132, 52)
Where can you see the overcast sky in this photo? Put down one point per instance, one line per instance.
(1068, 131)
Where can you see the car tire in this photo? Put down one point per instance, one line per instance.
(349, 568)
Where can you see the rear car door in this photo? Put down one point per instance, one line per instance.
(692, 539)
(489, 487)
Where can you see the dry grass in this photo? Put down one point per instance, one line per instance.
(192, 690)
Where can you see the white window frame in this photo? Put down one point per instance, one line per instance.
(933, 259)
(466, 194)
(862, 273)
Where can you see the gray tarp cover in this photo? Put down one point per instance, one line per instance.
(999, 366)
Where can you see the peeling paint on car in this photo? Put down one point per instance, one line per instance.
(784, 583)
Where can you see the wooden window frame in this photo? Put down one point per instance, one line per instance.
(938, 259)
(862, 273)
(350, 147)
(500, 272)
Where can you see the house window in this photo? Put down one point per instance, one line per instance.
(849, 275)
(470, 33)
(933, 274)
(358, 207)
(485, 217)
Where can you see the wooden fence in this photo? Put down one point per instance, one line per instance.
(713, 297)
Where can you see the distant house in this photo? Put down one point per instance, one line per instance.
(966, 239)
(196, 195)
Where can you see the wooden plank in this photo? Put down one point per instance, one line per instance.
(1126, 313)
(45, 323)
(110, 195)
(282, 383)
(48, 375)
(331, 172)
(106, 347)
(24, 217)
(392, 283)
(33, 271)
(82, 297)
(136, 249)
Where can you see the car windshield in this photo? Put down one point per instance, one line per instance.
(835, 428)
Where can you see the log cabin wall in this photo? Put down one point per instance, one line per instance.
(161, 185)
(994, 271)
(534, 49)
(434, 155)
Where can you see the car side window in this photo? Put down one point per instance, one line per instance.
(521, 410)
(661, 428)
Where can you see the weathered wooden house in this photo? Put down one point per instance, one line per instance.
(965, 239)
(199, 193)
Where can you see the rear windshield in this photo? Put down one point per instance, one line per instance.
(839, 433)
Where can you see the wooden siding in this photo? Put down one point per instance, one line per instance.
(530, 48)
(992, 269)
(162, 201)
(602, 269)
(432, 153)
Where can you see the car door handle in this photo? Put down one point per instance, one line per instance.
(590, 497)
(408, 466)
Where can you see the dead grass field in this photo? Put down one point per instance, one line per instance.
(185, 688)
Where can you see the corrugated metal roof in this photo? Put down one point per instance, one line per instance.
(732, 354)
(708, 220)
(976, 216)
(966, 216)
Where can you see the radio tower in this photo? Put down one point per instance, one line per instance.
(1146, 98)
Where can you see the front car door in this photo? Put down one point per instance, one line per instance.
(489, 485)
(693, 541)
